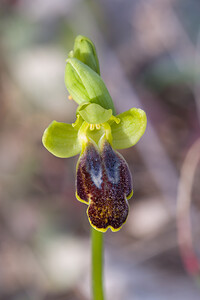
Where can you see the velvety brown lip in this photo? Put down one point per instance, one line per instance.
(104, 182)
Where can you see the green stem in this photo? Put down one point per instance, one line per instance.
(97, 264)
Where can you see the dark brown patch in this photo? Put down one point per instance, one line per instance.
(104, 181)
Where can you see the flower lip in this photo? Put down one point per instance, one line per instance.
(104, 182)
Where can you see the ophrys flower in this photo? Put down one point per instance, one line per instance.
(103, 177)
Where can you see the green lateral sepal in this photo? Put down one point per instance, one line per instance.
(130, 129)
(61, 139)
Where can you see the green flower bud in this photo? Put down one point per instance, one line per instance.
(85, 85)
(85, 51)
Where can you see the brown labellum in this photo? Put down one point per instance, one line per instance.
(104, 182)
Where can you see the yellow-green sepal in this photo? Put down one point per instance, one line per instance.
(85, 51)
(85, 85)
(61, 139)
(93, 113)
(130, 129)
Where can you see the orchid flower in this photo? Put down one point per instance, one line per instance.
(103, 180)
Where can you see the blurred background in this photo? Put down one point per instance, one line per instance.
(149, 54)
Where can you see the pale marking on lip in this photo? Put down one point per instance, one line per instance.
(115, 178)
(97, 179)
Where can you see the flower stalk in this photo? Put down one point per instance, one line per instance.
(97, 240)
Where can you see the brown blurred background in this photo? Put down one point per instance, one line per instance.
(149, 54)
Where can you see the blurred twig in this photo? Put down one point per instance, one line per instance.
(196, 71)
(184, 198)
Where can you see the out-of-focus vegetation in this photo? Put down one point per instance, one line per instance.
(149, 57)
